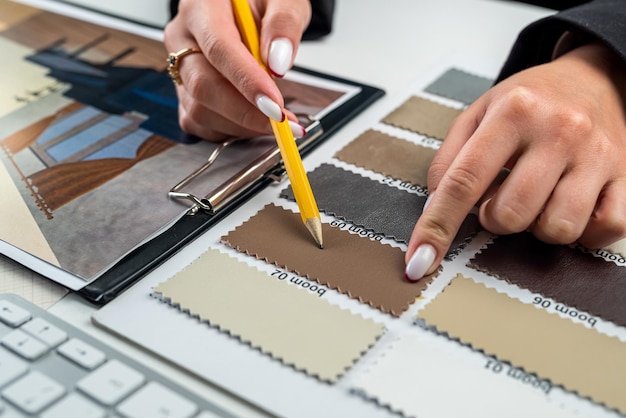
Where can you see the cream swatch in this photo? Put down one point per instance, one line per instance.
(282, 320)
(569, 354)
(424, 379)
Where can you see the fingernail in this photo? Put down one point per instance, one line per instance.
(281, 52)
(297, 129)
(269, 108)
(428, 199)
(419, 264)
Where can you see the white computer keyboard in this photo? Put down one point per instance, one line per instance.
(51, 369)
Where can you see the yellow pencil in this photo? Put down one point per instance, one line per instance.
(284, 136)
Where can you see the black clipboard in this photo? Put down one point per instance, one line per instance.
(143, 97)
(198, 220)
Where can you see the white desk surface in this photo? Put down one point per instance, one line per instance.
(386, 44)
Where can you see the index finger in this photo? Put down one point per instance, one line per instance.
(475, 149)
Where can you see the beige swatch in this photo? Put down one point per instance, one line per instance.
(359, 267)
(426, 379)
(282, 320)
(569, 354)
(388, 155)
(423, 116)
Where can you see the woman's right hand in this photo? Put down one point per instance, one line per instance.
(224, 92)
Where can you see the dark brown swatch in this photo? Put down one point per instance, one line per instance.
(373, 205)
(388, 155)
(361, 268)
(423, 116)
(567, 275)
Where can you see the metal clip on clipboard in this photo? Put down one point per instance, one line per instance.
(267, 165)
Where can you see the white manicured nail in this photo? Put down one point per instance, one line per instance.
(419, 264)
(269, 108)
(297, 129)
(281, 53)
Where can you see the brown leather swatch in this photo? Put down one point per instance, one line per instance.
(423, 116)
(373, 205)
(569, 354)
(356, 266)
(560, 272)
(388, 155)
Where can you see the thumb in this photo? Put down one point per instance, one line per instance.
(282, 26)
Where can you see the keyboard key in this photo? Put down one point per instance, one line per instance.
(33, 392)
(45, 331)
(111, 383)
(157, 401)
(74, 405)
(13, 315)
(24, 344)
(11, 367)
(82, 353)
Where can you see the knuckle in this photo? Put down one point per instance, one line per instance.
(463, 182)
(613, 224)
(521, 101)
(290, 13)
(509, 217)
(215, 48)
(185, 122)
(559, 231)
(195, 82)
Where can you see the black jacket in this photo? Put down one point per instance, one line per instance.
(600, 19)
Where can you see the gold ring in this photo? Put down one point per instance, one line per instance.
(173, 61)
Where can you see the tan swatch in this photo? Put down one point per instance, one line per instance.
(356, 266)
(260, 309)
(569, 354)
(388, 155)
(423, 116)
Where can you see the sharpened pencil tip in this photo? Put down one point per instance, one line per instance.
(314, 225)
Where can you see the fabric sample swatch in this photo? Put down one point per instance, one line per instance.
(569, 354)
(388, 155)
(565, 274)
(259, 309)
(373, 205)
(419, 379)
(459, 85)
(361, 268)
(423, 116)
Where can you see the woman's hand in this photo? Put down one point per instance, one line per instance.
(560, 128)
(223, 90)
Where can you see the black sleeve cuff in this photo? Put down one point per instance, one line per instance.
(604, 20)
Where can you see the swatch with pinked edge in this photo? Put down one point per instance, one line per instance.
(249, 304)
(390, 156)
(565, 274)
(373, 205)
(459, 85)
(570, 355)
(414, 377)
(363, 269)
(423, 116)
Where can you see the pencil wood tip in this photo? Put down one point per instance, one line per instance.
(314, 225)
